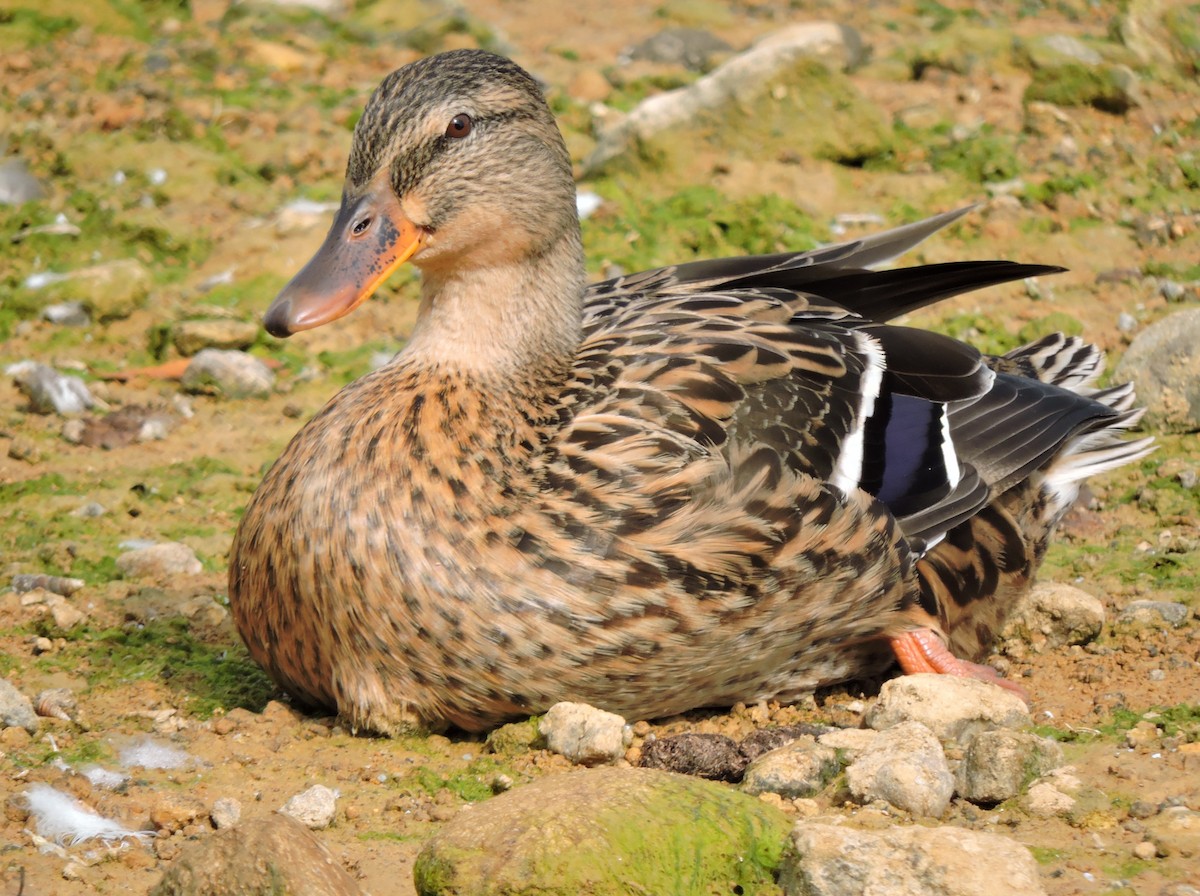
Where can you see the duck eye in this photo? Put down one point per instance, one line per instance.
(459, 126)
(360, 226)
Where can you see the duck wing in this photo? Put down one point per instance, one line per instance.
(840, 273)
(785, 363)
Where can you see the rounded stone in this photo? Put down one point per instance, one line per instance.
(607, 832)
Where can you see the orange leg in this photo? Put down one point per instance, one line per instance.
(921, 650)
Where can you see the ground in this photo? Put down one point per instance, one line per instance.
(216, 117)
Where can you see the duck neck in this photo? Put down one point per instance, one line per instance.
(503, 322)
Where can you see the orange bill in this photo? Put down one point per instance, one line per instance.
(370, 237)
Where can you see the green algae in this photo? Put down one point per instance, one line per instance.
(1055, 322)
(207, 676)
(1107, 88)
(637, 231)
(609, 831)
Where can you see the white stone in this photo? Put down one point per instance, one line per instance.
(832, 860)
(314, 808)
(1044, 800)
(906, 767)
(851, 741)
(225, 813)
(16, 710)
(584, 734)
(953, 708)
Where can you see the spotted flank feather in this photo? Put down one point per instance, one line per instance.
(726, 480)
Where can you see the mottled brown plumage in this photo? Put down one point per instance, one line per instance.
(722, 481)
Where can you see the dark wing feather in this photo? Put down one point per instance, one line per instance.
(838, 273)
(785, 359)
(1019, 425)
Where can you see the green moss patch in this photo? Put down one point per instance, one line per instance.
(609, 831)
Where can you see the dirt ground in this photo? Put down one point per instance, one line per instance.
(71, 105)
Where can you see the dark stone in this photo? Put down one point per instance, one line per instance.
(712, 756)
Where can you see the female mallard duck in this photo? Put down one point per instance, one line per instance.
(717, 482)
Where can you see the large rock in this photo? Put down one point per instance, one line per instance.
(962, 47)
(800, 768)
(953, 708)
(831, 860)
(1175, 832)
(778, 98)
(607, 831)
(904, 766)
(1055, 615)
(1163, 362)
(1068, 71)
(1154, 614)
(997, 764)
(272, 856)
(192, 336)
(229, 373)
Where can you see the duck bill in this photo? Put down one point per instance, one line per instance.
(349, 266)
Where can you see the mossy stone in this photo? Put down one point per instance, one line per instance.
(801, 108)
(608, 831)
(1109, 88)
(962, 48)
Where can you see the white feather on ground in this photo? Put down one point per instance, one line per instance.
(63, 819)
(150, 753)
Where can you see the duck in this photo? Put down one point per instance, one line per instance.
(721, 481)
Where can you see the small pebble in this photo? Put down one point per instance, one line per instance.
(25, 449)
(57, 584)
(1145, 850)
(314, 808)
(1143, 809)
(89, 510)
(72, 871)
(173, 811)
(225, 813)
(67, 314)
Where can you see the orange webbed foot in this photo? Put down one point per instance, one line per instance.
(921, 650)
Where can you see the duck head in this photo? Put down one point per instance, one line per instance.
(456, 165)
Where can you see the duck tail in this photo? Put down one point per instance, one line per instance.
(1070, 363)
(971, 580)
